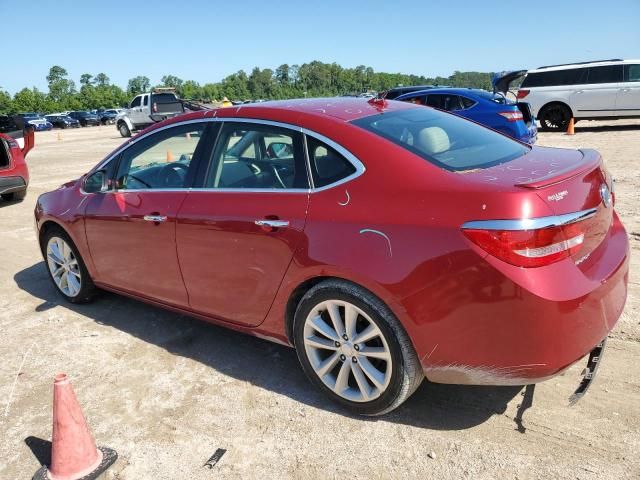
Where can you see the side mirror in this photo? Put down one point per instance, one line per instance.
(96, 182)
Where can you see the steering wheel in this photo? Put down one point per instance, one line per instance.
(173, 174)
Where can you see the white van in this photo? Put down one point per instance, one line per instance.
(606, 89)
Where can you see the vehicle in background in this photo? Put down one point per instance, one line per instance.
(597, 90)
(384, 241)
(149, 108)
(107, 117)
(38, 121)
(492, 110)
(395, 92)
(62, 121)
(85, 118)
(16, 140)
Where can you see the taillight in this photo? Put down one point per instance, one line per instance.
(155, 107)
(512, 116)
(533, 247)
(522, 94)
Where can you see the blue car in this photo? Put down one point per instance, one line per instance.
(37, 121)
(493, 110)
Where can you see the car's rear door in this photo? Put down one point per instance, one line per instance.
(628, 100)
(237, 235)
(131, 228)
(597, 98)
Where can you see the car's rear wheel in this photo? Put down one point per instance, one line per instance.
(14, 196)
(555, 117)
(66, 267)
(124, 129)
(353, 348)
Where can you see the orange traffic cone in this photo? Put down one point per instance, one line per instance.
(570, 128)
(74, 454)
(170, 156)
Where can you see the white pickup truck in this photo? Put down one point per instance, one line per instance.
(149, 108)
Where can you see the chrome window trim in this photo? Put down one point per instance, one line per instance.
(531, 223)
(358, 165)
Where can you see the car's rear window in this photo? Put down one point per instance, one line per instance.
(444, 139)
(164, 97)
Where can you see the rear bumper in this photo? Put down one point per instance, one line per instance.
(509, 335)
(530, 135)
(12, 184)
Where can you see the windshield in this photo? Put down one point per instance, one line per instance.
(443, 139)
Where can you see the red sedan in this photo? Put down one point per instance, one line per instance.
(15, 143)
(384, 241)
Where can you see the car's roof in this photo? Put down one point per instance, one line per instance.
(569, 66)
(459, 91)
(344, 109)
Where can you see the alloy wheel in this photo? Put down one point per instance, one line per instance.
(347, 351)
(64, 267)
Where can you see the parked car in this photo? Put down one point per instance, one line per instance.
(393, 93)
(38, 121)
(85, 118)
(62, 121)
(493, 110)
(606, 89)
(149, 108)
(107, 117)
(16, 140)
(384, 241)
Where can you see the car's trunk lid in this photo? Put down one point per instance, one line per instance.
(573, 183)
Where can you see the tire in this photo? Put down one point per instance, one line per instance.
(66, 257)
(124, 129)
(323, 356)
(555, 117)
(14, 196)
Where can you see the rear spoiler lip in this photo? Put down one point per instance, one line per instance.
(591, 160)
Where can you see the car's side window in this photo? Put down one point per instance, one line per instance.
(253, 156)
(467, 102)
(447, 102)
(161, 160)
(146, 100)
(327, 165)
(632, 73)
(135, 102)
(606, 74)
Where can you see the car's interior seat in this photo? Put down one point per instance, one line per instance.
(432, 140)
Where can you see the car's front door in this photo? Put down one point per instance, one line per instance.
(130, 229)
(237, 235)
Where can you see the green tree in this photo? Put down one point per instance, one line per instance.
(6, 104)
(172, 81)
(60, 87)
(85, 79)
(138, 85)
(101, 80)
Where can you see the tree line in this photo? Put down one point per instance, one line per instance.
(314, 79)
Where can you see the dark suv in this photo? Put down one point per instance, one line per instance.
(85, 118)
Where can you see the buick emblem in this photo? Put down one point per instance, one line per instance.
(605, 194)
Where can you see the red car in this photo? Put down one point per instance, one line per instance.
(384, 241)
(15, 143)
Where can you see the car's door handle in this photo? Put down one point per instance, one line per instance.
(272, 223)
(579, 91)
(155, 218)
(625, 89)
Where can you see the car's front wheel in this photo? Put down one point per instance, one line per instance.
(353, 348)
(124, 130)
(66, 267)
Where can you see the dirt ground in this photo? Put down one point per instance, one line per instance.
(166, 391)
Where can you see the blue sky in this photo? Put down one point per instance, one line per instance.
(207, 40)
